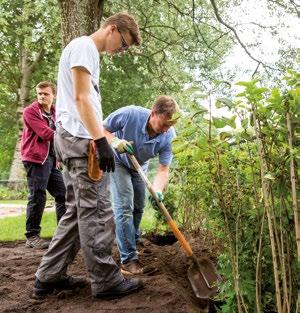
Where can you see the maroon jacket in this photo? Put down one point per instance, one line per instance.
(37, 134)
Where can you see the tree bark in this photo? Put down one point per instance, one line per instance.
(17, 171)
(79, 18)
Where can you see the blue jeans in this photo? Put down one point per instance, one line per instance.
(128, 192)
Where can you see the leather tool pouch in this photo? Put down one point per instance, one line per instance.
(94, 171)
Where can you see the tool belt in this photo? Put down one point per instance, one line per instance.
(94, 171)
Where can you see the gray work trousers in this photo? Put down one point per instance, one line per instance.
(88, 222)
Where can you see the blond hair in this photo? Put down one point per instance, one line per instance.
(125, 23)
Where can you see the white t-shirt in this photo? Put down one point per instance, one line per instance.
(79, 52)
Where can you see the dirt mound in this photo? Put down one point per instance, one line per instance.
(166, 290)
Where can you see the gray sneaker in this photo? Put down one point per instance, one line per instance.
(127, 286)
(42, 289)
(36, 242)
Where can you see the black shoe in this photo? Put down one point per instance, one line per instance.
(128, 285)
(41, 289)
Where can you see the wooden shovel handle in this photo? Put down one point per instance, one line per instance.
(178, 234)
(185, 245)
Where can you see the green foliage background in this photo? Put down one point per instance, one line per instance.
(171, 51)
(30, 27)
(218, 187)
(216, 183)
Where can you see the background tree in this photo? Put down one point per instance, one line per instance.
(79, 18)
(29, 47)
(175, 47)
(162, 65)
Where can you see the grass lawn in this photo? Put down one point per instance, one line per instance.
(13, 202)
(13, 228)
(23, 202)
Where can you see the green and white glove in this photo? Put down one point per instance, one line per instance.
(153, 202)
(122, 145)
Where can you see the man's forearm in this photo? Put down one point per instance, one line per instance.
(88, 118)
(109, 136)
(161, 180)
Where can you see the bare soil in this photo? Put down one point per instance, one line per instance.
(166, 290)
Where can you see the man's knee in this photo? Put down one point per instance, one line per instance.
(38, 195)
(38, 185)
(138, 211)
(123, 201)
(123, 214)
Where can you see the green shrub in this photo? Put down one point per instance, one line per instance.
(237, 184)
(7, 193)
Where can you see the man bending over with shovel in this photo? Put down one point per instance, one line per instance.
(146, 134)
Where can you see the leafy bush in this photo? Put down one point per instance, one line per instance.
(237, 183)
(7, 193)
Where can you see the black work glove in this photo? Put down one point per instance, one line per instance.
(106, 156)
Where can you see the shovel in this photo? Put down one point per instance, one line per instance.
(201, 273)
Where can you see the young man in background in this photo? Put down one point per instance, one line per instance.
(40, 162)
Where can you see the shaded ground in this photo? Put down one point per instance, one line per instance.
(167, 290)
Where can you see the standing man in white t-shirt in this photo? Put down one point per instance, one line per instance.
(88, 222)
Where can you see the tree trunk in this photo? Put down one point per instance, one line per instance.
(17, 170)
(79, 18)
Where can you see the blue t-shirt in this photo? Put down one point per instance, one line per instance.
(130, 123)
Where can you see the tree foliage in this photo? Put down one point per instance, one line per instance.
(163, 65)
(29, 51)
(177, 42)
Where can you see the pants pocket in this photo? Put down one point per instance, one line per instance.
(68, 146)
(104, 238)
(87, 196)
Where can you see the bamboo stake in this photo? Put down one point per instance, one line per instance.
(286, 304)
(279, 239)
(259, 251)
(232, 247)
(277, 229)
(289, 270)
(293, 184)
(237, 238)
(258, 267)
(265, 191)
(294, 192)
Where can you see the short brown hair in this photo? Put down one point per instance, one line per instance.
(46, 84)
(125, 23)
(165, 105)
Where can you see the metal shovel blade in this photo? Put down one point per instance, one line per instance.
(203, 277)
